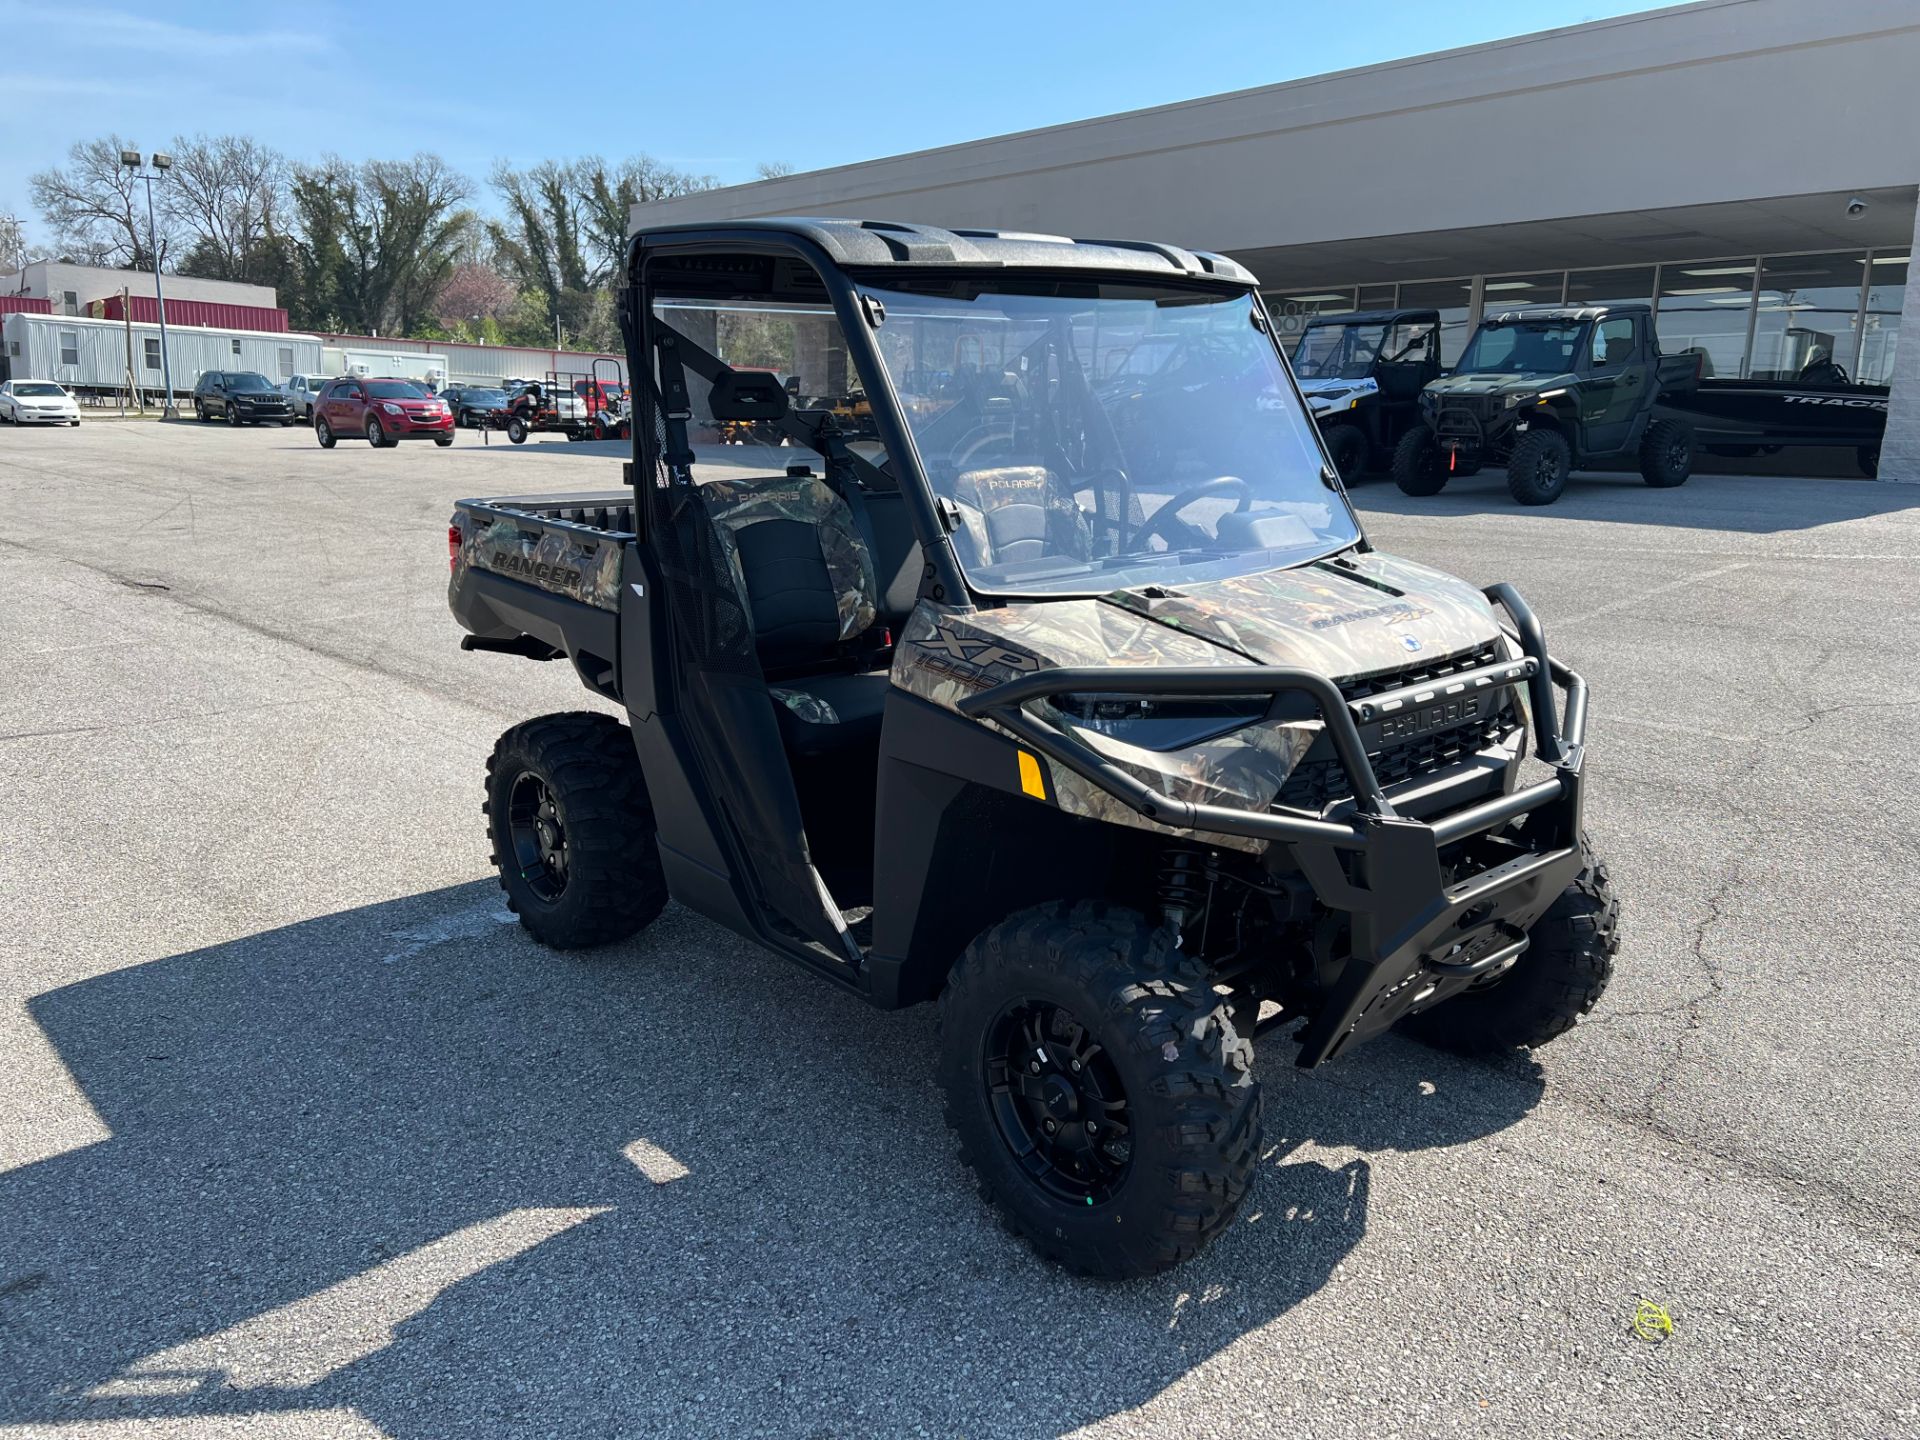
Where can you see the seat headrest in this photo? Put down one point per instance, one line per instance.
(748, 395)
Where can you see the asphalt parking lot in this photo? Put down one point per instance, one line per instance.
(299, 1137)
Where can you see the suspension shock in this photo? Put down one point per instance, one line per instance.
(1183, 886)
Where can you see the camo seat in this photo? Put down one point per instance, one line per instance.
(807, 582)
(1019, 512)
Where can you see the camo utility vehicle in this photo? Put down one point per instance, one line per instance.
(1362, 373)
(1548, 390)
(962, 701)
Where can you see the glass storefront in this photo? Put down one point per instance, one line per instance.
(1771, 317)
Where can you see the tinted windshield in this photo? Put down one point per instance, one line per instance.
(394, 390)
(1092, 437)
(33, 388)
(1523, 347)
(248, 382)
(483, 397)
(1344, 352)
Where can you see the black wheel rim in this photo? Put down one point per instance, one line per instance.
(537, 830)
(1058, 1103)
(1547, 472)
(1678, 449)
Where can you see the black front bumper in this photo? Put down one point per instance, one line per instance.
(1433, 905)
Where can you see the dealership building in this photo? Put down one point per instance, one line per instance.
(1749, 167)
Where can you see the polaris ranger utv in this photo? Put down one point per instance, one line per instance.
(1362, 373)
(1547, 390)
(1114, 761)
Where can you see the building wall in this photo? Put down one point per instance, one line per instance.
(478, 364)
(1900, 451)
(35, 347)
(1728, 100)
(51, 280)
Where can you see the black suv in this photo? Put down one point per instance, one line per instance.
(241, 397)
(475, 406)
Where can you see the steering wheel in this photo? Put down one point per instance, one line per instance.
(1169, 513)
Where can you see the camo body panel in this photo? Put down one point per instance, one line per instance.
(1341, 626)
(554, 557)
(733, 505)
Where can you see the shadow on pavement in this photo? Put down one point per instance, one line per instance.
(400, 1160)
(1737, 504)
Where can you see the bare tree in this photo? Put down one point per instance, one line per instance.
(772, 169)
(96, 208)
(229, 195)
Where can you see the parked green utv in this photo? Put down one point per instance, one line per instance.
(1548, 390)
(1083, 709)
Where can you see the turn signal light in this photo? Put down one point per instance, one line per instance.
(453, 547)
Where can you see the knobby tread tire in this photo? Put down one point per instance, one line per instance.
(615, 883)
(1416, 463)
(1523, 467)
(1195, 1107)
(1657, 466)
(1559, 978)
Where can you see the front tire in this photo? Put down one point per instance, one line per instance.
(323, 432)
(1348, 446)
(233, 417)
(1867, 457)
(517, 430)
(573, 831)
(1416, 463)
(1538, 468)
(1556, 981)
(1666, 454)
(1063, 1013)
(443, 441)
(376, 433)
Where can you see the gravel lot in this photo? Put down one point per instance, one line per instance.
(297, 1137)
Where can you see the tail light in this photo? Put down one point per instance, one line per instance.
(453, 547)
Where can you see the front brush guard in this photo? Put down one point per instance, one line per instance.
(1416, 936)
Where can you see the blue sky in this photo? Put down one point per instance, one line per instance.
(705, 87)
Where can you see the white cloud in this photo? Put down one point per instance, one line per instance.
(120, 29)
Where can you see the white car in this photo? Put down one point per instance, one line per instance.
(37, 402)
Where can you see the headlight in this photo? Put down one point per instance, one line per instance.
(392, 409)
(1159, 722)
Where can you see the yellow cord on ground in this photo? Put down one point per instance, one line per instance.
(1652, 1323)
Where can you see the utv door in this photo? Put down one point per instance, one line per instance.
(1616, 387)
(715, 724)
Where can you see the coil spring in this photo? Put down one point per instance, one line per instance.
(1180, 882)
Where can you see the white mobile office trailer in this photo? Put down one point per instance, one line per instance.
(90, 356)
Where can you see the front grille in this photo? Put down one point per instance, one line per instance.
(1319, 779)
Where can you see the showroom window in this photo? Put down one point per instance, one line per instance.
(1616, 285)
(1379, 297)
(1806, 318)
(1704, 307)
(1504, 292)
(69, 347)
(1886, 293)
(1452, 298)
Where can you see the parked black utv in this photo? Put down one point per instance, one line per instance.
(1100, 724)
(1362, 373)
(1549, 390)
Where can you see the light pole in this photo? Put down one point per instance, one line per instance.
(160, 165)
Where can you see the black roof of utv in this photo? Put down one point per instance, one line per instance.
(864, 244)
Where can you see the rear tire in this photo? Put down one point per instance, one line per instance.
(594, 875)
(1350, 450)
(1416, 463)
(517, 430)
(1867, 457)
(1111, 1020)
(1666, 454)
(1538, 468)
(1557, 980)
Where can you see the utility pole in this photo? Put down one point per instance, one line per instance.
(160, 165)
(133, 377)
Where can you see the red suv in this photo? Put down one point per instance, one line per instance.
(385, 411)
